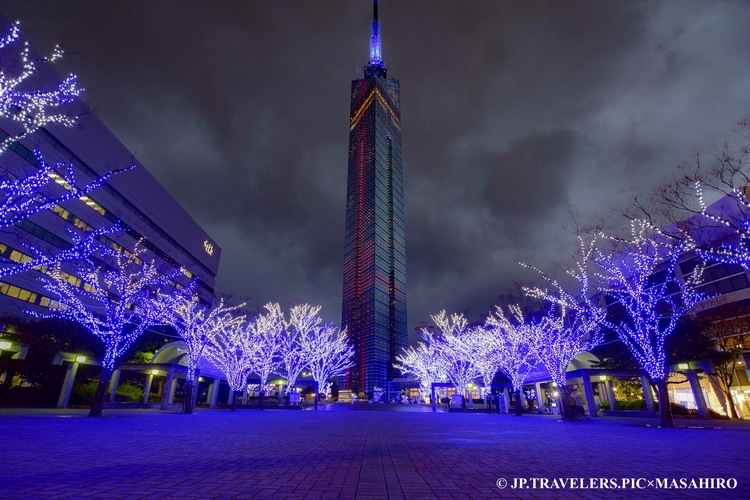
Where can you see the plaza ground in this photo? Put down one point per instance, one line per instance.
(345, 453)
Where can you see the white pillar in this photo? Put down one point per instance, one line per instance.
(113, 383)
(611, 394)
(588, 391)
(648, 395)
(700, 401)
(539, 397)
(172, 390)
(147, 387)
(67, 387)
(167, 393)
(213, 393)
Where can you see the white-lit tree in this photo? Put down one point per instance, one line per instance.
(482, 343)
(265, 332)
(231, 350)
(27, 101)
(328, 354)
(111, 300)
(196, 323)
(454, 346)
(512, 338)
(708, 200)
(425, 363)
(643, 281)
(302, 320)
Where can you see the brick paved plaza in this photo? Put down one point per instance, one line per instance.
(407, 453)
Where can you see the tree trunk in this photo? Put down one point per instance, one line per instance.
(235, 395)
(563, 407)
(187, 404)
(665, 412)
(101, 391)
(519, 404)
(317, 396)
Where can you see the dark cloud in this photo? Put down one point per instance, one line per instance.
(512, 113)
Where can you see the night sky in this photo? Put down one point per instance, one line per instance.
(514, 114)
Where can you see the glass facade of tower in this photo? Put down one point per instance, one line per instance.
(374, 299)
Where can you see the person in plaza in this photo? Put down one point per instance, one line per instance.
(598, 403)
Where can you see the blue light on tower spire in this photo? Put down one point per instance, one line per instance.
(376, 67)
(376, 51)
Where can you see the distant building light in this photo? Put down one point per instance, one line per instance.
(208, 247)
(4, 344)
(154, 372)
(80, 359)
(683, 366)
(602, 377)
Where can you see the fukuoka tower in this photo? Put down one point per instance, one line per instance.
(374, 298)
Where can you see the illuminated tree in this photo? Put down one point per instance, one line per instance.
(648, 298)
(302, 320)
(684, 204)
(265, 333)
(573, 321)
(512, 337)
(24, 101)
(111, 300)
(196, 323)
(425, 363)
(328, 354)
(28, 102)
(231, 350)
(81, 247)
(454, 346)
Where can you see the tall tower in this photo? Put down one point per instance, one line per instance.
(374, 303)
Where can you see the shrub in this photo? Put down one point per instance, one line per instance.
(129, 393)
(83, 394)
(638, 404)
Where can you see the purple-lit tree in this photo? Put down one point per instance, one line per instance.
(265, 332)
(425, 363)
(26, 102)
(512, 340)
(328, 354)
(111, 301)
(454, 346)
(642, 279)
(573, 321)
(302, 320)
(231, 350)
(196, 323)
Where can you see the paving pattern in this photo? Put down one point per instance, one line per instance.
(406, 453)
